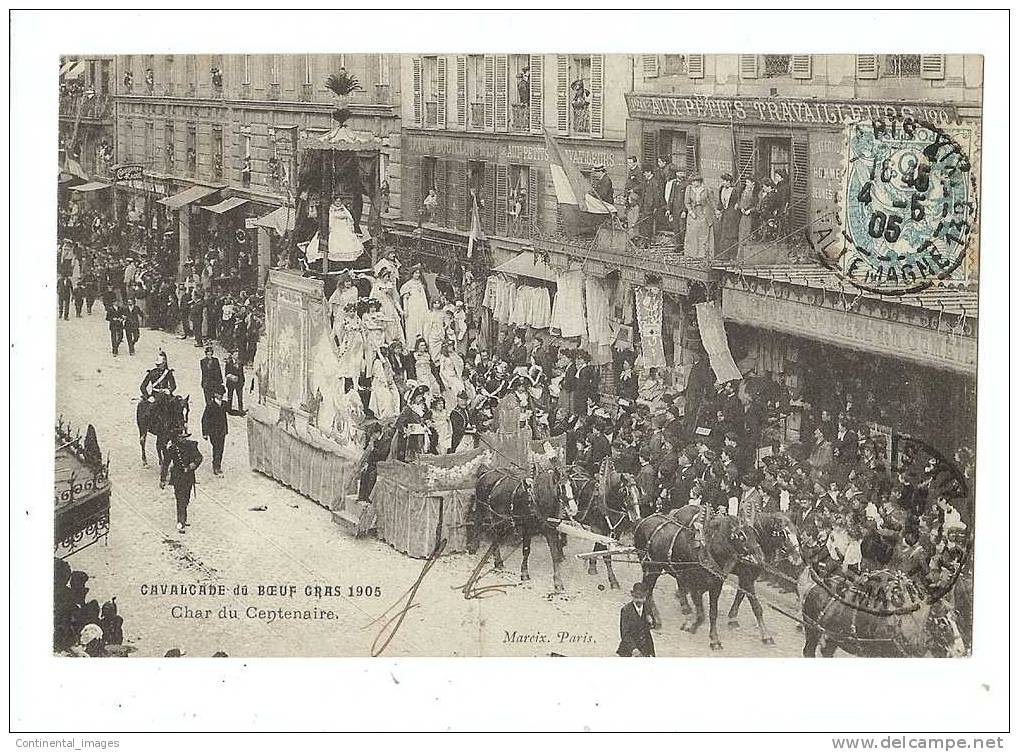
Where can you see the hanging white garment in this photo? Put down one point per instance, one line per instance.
(568, 309)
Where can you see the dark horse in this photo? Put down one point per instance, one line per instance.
(508, 500)
(608, 504)
(668, 544)
(828, 621)
(162, 419)
(776, 535)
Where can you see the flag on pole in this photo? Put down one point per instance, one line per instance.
(477, 232)
(571, 187)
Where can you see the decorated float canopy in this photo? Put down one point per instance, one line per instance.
(81, 492)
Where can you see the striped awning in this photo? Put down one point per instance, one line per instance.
(182, 199)
(226, 205)
(93, 186)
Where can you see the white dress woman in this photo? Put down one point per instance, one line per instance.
(443, 428)
(423, 368)
(415, 305)
(384, 291)
(451, 368)
(435, 330)
(700, 220)
(350, 348)
(385, 397)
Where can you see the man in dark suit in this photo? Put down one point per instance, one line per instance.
(215, 428)
(729, 216)
(633, 176)
(115, 317)
(65, 287)
(635, 626)
(212, 374)
(132, 324)
(462, 420)
(587, 383)
(846, 446)
(181, 460)
(197, 315)
(234, 383)
(601, 184)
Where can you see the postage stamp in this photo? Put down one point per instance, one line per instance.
(909, 207)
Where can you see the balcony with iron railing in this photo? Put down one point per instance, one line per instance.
(381, 93)
(274, 92)
(92, 106)
(431, 114)
(520, 118)
(476, 116)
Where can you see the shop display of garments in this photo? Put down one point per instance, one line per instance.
(599, 330)
(648, 304)
(568, 310)
(532, 306)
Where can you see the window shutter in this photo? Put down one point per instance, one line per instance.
(461, 91)
(562, 94)
(537, 103)
(799, 186)
(418, 99)
(650, 63)
(411, 193)
(442, 188)
(440, 73)
(488, 197)
(457, 176)
(648, 146)
(800, 66)
(534, 186)
(866, 66)
(695, 66)
(692, 153)
(745, 156)
(501, 93)
(501, 195)
(597, 94)
(748, 66)
(489, 92)
(932, 67)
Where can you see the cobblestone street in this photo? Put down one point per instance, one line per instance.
(295, 542)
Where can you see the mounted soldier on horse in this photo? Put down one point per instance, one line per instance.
(160, 412)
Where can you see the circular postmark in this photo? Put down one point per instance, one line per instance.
(908, 209)
(909, 550)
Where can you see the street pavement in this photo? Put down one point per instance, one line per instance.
(249, 531)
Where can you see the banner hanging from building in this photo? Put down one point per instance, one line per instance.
(712, 328)
(648, 302)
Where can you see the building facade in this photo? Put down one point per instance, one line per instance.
(786, 317)
(86, 115)
(229, 126)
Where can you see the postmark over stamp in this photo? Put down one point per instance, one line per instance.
(909, 207)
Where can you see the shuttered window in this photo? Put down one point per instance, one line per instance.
(562, 95)
(489, 92)
(692, 153)
(866, 67)
(440, 92)
(488, 195)
(800, 66)
(411, 198)
(501, 196)
(459, 206)
(800, 177)
(535, 185)
(597, 94)
(461, 91)
(537, 106)
(900, 66)
(501, 93)
(648, 146)
(746, 157)
(442, 213)
(695, 66)
(932, 66)
(650, 65)
(748, 66)
(417, 94)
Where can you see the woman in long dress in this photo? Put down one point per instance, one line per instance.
(443, 428)
(436, 329)
(349, 333)
(384, 291)
(423, 368)
(451, 367)
(415, 305)
(700, 219)
(385, 397)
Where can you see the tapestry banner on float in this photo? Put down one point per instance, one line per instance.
(648, 302)
(712, 328)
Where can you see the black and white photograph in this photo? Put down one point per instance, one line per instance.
(484, 353)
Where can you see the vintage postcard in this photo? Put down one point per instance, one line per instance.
(522, 355)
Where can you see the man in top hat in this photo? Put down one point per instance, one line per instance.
(132, 324)
(635, 621)
(586, 390)
(601, 184)
(180, 461)
(215, 428)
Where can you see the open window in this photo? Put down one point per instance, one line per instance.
(520, 92)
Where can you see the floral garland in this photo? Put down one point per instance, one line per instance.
(456, 476)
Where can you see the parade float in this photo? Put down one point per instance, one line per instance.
(81, 491)
(306, 430)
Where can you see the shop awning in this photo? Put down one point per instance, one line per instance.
(66, 67)
(93, 186)
(226, 205)
(75, 70)
(526, 265)
(281, 220)
(192, 194)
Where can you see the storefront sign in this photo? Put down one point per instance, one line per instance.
(128, 172)
(502, 152)
(853, 331)
(780, 111)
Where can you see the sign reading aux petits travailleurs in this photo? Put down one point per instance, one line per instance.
(781, 110)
